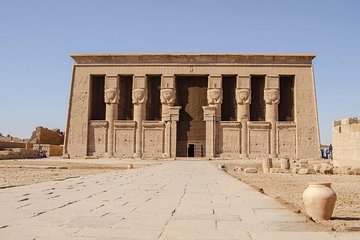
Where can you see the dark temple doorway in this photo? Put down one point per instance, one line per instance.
(191, 132)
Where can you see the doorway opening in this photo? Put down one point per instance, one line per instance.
(191, 150)
(191, 96)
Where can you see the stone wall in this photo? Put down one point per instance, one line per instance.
(346, 142)
(47, 136)
(4, 145)
(18, 153)
(51, 150)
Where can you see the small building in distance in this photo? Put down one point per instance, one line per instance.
(192, 105)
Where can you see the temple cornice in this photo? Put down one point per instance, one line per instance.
(193, 59)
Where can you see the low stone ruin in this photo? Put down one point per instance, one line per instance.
(46, 136)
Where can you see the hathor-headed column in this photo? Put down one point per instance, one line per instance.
(167, 99)
(243, 100)
(212, 114)
(272, 99)
(111, 98)
(139, 97)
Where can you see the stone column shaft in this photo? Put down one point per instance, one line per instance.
(139, 97)
(111, 98)
(167, 99)
(210, 118)
(243, 100)
(272, 99)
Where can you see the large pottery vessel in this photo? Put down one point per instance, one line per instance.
(319, 200)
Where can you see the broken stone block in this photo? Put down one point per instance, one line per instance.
(251, 170)
(295, 170)
(326, 169)
(238, 169)
(130, 166)
(304, 171)
(266, 165)
(317, 168)
(285, 163)
(354, 171)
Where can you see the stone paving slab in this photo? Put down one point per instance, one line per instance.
(174, 200)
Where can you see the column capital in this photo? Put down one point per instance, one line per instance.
(167, 96)
(214, 96)
(139, 95)
(209, 113)
(243, 96)
(111, 95)
(271, 96)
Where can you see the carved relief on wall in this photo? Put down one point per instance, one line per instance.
(167, 96)
(138, 95)
(286, 142)
(111, 95)
(259, 142)
(243, 95)
(214, 96)
(272, 96)
(230, 140)
(153, 142)
(124, 142)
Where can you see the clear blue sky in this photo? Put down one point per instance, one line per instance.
(37, 37)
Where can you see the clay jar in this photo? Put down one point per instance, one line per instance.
(319, 200)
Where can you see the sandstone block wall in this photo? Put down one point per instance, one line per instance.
(51, 150)
(346, 142)
(47, 136)
(242, 137)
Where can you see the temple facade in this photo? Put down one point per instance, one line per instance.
(192, 105)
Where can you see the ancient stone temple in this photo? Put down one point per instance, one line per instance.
(192, 105)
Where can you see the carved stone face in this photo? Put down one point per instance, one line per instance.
(272, 96)
(138, 95)
(242, 95)
(111, 95)
(168, 95)
(214, 96)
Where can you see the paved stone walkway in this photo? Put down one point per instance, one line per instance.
(175, 200)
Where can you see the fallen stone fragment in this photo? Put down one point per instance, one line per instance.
(317, 168)
(251, 170)
(304, 171)
(326, 169)
(354, 171)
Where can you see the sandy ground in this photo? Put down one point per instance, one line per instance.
(29, 171)
(288, 188)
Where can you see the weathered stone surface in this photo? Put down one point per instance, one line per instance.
(326, 169)
(277, 170)
(304, 171)
(346, 142)
(317, 167)
(295, 170)
(18, 153)
(250, 170)
(285, 163)
(47, 136)
(51, 150)
(354, 171)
